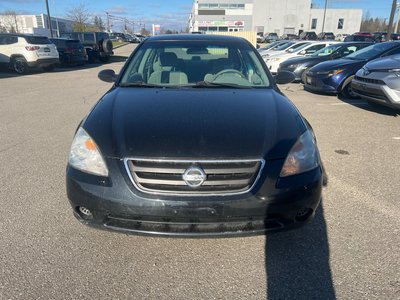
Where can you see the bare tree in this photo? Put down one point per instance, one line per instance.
(8, 21)
(80, 16)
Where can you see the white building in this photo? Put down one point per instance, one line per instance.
(280, 16)
(35, 24)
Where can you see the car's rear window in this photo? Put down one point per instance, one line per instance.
(37, 40)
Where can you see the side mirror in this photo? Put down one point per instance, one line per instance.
(284, 77)
(304, 52)
(107, 75)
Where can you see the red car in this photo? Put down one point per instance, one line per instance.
(367, 34)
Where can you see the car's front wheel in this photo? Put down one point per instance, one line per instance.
(20, 65)
(348, 92)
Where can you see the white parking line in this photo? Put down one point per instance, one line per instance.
(396, 137)
(350, 103)
(32, 76)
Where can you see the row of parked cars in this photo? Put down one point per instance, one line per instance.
(127, 37)
(353, 69)
(22, 52)
(343, 37)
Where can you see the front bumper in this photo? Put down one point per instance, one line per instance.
(320, 85)
(378, 93)
(73, 59)
(271, 205)
(43, 62)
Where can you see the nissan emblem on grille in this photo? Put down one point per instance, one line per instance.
(194, 176)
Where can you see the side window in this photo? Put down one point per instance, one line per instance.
(348, 50)
(88, 37)
(8, 40)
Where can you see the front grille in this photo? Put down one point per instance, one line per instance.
(166, 176)
(376, 94)
(369, 80)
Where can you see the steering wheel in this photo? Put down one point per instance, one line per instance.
(229, 71)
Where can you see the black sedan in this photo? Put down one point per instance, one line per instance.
(194, 139)
(298, 65)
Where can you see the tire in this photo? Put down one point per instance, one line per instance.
(347, 92)
(107, 45)
(20, 65)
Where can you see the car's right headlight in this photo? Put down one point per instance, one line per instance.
(303, 156)
(85, 155)
(330, 73)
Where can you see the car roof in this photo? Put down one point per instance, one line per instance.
(194, 37)
(22, 35)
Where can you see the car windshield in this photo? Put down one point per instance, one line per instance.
(284, 46)
(326, 51)
(272, 45)
(195, 63)
(371, 51)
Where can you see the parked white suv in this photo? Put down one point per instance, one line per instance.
(22, 52)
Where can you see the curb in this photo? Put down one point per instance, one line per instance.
(119, 46)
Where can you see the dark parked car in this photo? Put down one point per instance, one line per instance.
(308, 35)
(194, 138)
(395, 36)
(380, 36)
(97, 44)
(326, 36)
(359, 38)
(378, 82)
(299, 65)
(70, 51)
(271, 37)
(289, 36)
(335, 76)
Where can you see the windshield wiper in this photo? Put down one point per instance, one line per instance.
(207, 84)
(140, 84)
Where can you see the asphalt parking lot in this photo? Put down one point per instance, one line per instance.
(349, 251)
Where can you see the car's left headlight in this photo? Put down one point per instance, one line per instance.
(85, 155)
(303, 156)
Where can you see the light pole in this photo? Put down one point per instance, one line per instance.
(390, 28)
(398, 17)
(49, 18)
(323, 21)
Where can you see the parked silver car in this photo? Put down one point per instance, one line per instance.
(379, 81)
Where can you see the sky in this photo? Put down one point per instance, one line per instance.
(170, 14)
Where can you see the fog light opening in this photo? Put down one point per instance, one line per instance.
(85, 213)
(303, 214)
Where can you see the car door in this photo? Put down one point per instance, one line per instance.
(3, 49)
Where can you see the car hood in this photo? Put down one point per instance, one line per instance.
(337, 64)
(386, 63)
(194, 123)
